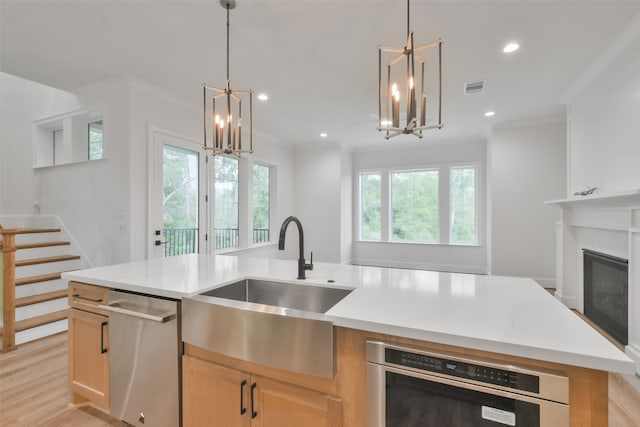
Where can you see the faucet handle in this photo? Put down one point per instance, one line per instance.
(310, 265)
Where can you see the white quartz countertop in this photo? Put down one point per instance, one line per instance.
(507, 315)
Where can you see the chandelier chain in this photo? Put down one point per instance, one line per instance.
(408, 23)
(227, 41)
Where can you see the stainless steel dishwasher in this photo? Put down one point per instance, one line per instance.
(145, 374)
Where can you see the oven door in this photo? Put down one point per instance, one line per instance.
(397, 397)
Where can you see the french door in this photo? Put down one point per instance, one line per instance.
(176, 195)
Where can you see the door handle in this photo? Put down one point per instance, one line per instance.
(253, 412)
(159, 242)
(242, 408)
(102, 349)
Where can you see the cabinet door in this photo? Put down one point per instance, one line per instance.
(89, 356)
(213, 395)
(284, 405)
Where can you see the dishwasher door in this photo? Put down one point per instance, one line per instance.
(144, 337)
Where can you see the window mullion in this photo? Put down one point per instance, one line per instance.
(444, 204)
(385, 206)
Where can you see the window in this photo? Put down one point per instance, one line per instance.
(462, 205)
(410, 206)
(414, 206)
(58, 147)
(370, 206)
(226, 203)
(261, 203)
(95, 140)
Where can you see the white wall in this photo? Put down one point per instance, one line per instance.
(604, 125)
(21, 102)
(320, 175)
(470, 259)
(346, 207)
(528, 167)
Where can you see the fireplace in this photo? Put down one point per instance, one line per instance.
(606, 293)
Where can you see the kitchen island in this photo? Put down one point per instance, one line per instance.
(510, 320)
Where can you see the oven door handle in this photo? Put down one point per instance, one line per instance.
(114, 307)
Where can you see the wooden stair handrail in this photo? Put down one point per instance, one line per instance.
(8, 288)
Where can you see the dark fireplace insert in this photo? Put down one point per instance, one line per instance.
(606, 293)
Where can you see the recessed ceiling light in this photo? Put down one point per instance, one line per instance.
(511, 47)
(263, 97)
(323, 135)
(490, 114)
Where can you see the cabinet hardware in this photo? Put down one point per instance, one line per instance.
(242, 408)
(102, 349)
(78, 296)
(114, 307)
(253, 412)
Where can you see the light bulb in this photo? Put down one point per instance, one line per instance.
(394, 92)
(217, 119)
(411, 82)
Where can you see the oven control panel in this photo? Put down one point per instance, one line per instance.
(462, 369)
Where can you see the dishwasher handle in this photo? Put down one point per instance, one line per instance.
(113, 307)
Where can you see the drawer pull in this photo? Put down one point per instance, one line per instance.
(102, 349)
(242, 408)
(254, 413)
(78, 296)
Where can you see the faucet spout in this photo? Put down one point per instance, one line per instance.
(302, 266)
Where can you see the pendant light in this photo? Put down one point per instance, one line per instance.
(402, 96)
(222, 109)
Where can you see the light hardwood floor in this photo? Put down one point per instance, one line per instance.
(33, 391)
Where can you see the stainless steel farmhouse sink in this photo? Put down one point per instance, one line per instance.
(271, 323)
(318, 299)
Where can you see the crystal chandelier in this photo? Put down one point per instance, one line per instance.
(409, 116)
(222, 109)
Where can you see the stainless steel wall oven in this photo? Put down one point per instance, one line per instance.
(410, 388)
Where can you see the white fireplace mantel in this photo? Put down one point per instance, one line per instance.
(605, 222)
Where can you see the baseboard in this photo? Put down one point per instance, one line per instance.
(633, 351)
(420, 266)
(546, 283)
(571, 302)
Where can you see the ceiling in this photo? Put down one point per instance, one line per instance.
(318, 60)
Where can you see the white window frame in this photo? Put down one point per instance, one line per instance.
(444, 202)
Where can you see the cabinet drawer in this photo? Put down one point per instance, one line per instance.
(88, 297)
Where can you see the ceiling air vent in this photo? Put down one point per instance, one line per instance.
(473, 87)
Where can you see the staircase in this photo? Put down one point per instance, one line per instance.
(38, 294)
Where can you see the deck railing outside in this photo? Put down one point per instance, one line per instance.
(181, 241)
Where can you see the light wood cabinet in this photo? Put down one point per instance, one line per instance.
(88, 346)
(218, 395)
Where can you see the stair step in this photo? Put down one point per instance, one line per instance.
(37, 230)
(32, 322)
(35, 299)
(45, 260)
(29, 230)
(42, 245)
(36, 279)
